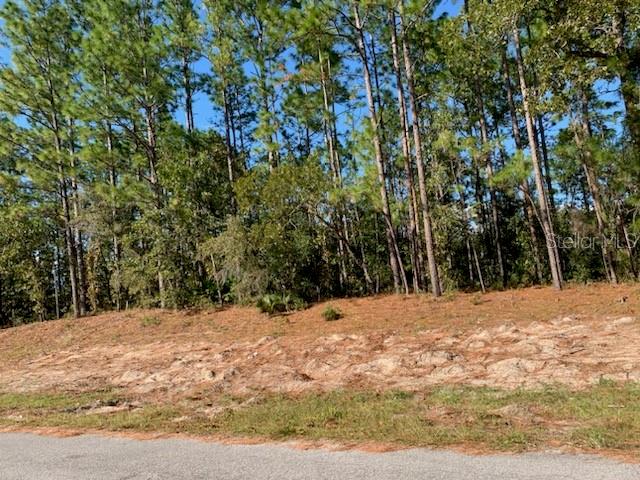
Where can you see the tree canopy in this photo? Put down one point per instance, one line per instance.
(177, 153)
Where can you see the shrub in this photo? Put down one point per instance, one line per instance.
(330, 313)
(274, 303)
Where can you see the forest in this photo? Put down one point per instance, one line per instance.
(189, 153)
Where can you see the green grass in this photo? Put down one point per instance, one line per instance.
(605, 416)
(45, 402)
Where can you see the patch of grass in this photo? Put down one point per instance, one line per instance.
(330, 313)
(146, 419)
(495, 419)
(43, 402)
(150, 321)
(606, 415)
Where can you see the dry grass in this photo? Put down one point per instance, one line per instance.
(401, 314)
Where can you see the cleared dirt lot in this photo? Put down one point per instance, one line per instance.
(506, 339)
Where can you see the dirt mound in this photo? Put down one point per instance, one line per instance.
(158, 359)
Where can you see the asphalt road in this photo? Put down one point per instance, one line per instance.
(32, 457)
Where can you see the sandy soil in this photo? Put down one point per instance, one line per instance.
(506, 339)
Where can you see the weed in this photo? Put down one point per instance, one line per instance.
(331, 313)
(476, 299)
(150, 321)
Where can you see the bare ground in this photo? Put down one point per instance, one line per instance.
(506, 339)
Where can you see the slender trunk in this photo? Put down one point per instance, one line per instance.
(422, 185)
(152, 158)
(583, 135)
(406, 153)
(77, 232)
(272, 156)
(484, 138)
(469, 260)
(188, 93)
(72, 258)
(540, 130)
(545, 217)
(113, 181)
(334, 165)
(477, 262)
(495, 217)
(240, 128)
(399, 277)
(628, 245)
(232, 124)
(227, 140)
(70, 242)
(528, 205)
(529, 215)
(364, 264)
(56, 277)
(472, 254)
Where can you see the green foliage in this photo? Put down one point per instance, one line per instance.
(331, 313)
(275, 303)
(514, 173)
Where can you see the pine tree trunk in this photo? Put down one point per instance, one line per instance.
(422, 184)
(72, 258)
(188, 94)
(227, 139)
(528, 205)
(397, 270)
(77, 232)
(56, 277)
(153, 174)
(541, 138)
(472, 253)
(495, 217)
(544, 151)
(263, 73)
(543, 204)
(113, 182)
(582, 135)
(383, 133)
(406, 153)
(334, 164)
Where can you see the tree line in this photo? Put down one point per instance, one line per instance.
(177, 153)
